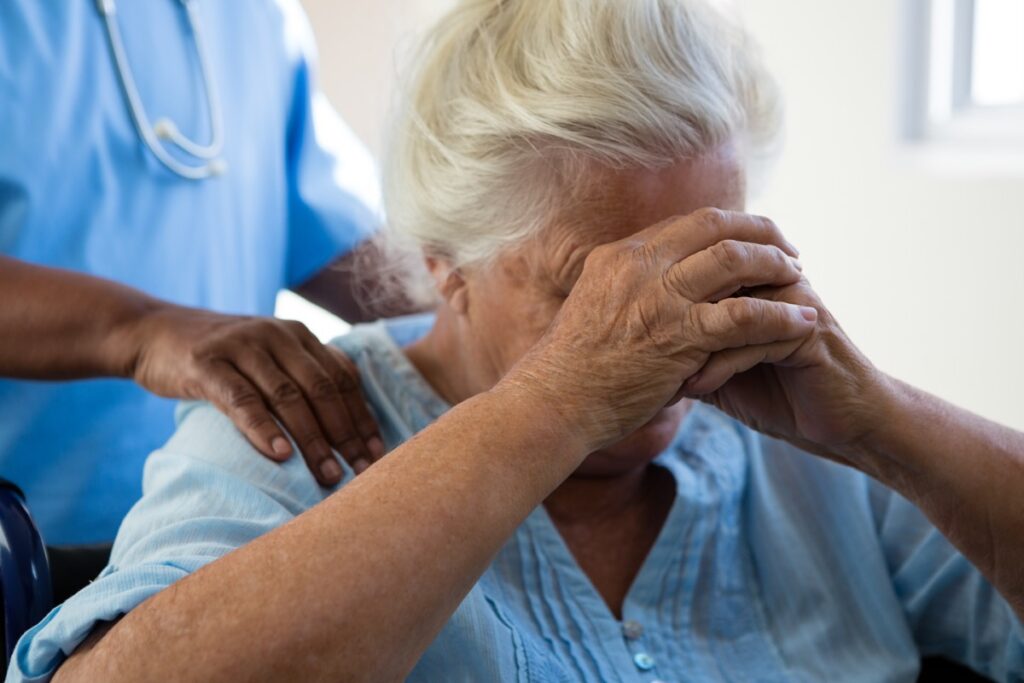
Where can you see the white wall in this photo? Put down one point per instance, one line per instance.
(923, 268)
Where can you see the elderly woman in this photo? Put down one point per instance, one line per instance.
(555, 505)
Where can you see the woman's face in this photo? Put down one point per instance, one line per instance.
(509, 305)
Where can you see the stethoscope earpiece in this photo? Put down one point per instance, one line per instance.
(165, 130)
(218, 167)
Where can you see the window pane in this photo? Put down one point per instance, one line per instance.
(998, 75)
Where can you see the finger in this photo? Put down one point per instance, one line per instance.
(325, 397)
(724, 365)
(728, 266)
(687, 235)
(353, 430)
(367, 432)
(288, 403)
(236, 397)
(345, 375)
(745, 321)
(799, 293)
(358, 408)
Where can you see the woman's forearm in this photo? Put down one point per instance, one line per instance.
(57, 324)
(966, 473)
(357, 587)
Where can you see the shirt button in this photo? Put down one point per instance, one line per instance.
(643, 661)
(632, 629)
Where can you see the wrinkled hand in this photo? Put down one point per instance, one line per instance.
(258, 369)
(819, 392)
(649, 311)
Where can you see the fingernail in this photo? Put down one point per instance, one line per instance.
(798, 264)
(810, 314)
(793, 248)
(281, 445)
(330, 469)
(376, 447)
(360, 465)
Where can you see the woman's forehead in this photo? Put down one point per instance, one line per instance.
(621, 203)
(713, 180)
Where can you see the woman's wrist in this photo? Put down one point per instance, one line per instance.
(554, 414)
(889, 420)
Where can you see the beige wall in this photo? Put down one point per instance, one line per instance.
(922, 267)
(358, 42)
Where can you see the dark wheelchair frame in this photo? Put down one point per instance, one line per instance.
(34, 578)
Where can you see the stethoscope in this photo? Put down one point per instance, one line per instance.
(210, 164)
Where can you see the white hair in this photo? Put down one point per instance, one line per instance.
(508, 101)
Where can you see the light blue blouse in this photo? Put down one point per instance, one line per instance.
(773, 565)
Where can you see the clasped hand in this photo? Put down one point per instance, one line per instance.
(714, 306)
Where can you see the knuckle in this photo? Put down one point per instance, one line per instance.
(768, 225)
(323, 389)
(778, 256)
(257, 330)
(696, 322)
(346, 382)
(710, 217)
(679, 280)
(203, 353)
(353, 446)
(606, 259)
(254, 420)
(768, 258)
(345, 438)
(741, 312)
(709, 214)
(784, 264)
(284, 392)
(312, 443)
(600, 254)
(366, 427)
(772, 230)
(643, 252)
(347, 378)
(241, 397)
(194, 387)
(295, 327)
(728, 254)
(267, 324)
(275, 333)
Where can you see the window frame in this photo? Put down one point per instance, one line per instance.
(975, 137)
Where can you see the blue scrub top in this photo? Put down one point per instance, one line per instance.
(79, 190)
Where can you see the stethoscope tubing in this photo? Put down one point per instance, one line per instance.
(166, 129)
